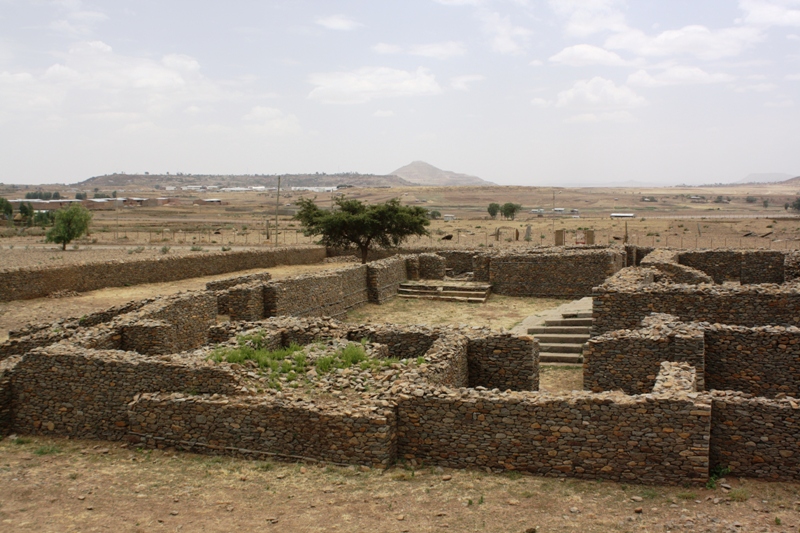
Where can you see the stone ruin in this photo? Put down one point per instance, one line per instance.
(668, 397)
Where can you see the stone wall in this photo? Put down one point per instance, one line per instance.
(504, 362)
(645, 439)
(242, 302)
(666, 261)
(342, 434)
(6, 367)
(675, 377)
(228, 283)
(384, 278)
(756, 437)
(330, 293)
(431, 266)
(630, 360)
(627, 297)
(22, 284)
(763, 266)
(171, 324)
(63, 390)
(758, 266)
(564, 273)
(764, 361)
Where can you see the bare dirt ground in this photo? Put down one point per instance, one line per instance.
(71, 485)
(20, 312)
(497, 312)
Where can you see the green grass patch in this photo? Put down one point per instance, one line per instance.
(739, 495)
(47, 450)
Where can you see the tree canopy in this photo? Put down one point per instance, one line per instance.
(6, 209)
(510, 210)
(355, 224)
(70, 224)
(493, 209)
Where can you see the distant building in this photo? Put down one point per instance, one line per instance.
(209, 201)
(448, 218)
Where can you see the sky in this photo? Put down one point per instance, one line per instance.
(518, 92)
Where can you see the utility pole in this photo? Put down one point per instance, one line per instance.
(277, 207)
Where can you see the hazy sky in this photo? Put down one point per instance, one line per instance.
(527, 92)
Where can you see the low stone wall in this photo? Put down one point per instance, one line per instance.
(5, 395)
(791, 265)
(564, 273)
(666, 261)
(630, 360)
(431, 266)
(403, 342)
(228, 283)
(266, 426)
(756, 437)
(22, 284)
(504, 362)
(635, 254)
(66, 391)
(749, 267)
(330, 293)
(384, 278)
(647, 439)
(627, 297)
(448, 361)
(171, 324)
(764, 361)
(243, 302)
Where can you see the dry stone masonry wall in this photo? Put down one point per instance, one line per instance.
(22, 284)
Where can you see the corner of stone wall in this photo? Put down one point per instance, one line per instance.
(431, 266)
(6, 367)
(504, 361)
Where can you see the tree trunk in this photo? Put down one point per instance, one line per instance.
(364, 253)
(64, 246)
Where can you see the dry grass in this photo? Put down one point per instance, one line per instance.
(100, 486)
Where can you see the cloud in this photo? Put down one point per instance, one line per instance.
(793, 77)
(694, 41)
(541, 102)
(462, 83)
(588, 17)
(338, 22)
(383, 48)
(582, 55)
(677, 75)
(381, 113)
(786, 102)
(99, 84)
(757, 88)
(506, 38)
(771, 12)
(460, 2)
(77, 22)
(444, 50)
(272, 121)
(611, 116)
(370, 83)
(601, 93)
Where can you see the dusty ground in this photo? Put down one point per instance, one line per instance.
(68, 485)
(497, 312)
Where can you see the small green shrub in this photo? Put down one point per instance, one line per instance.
(739, 495)
(165, 250)
(47, 450)
(196, 248)
(687, 495)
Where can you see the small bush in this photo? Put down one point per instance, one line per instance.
(226, 248)
(196, 248)
(687, 495)
(165, 250)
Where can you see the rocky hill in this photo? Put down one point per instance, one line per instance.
(247, 180)
(422, 173)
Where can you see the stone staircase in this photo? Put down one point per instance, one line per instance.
(561, 340)
(453, 291)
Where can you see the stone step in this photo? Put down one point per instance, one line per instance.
(444, 298)
(577, 314)
(562, 338)
(446, 286)
(550, 357)
(569, 322)
(573, 330)
(561, 347)
(467, 294)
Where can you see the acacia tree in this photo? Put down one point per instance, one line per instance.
(509, 210)
(493, 209)
(6, 209)
(354, 224)
(70, 224)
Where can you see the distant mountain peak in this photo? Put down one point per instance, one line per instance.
(423, 173)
